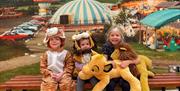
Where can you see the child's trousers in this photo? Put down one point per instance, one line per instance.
(50, 84)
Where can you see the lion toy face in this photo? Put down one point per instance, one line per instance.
(99, 65)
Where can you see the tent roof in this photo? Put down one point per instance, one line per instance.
(161, 18)
(83, 12)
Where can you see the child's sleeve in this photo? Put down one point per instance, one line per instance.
(43, 65)
(107, 50)
(69, 65)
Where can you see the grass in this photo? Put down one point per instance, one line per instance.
(153, 54)
(26, 70)
(10, 49)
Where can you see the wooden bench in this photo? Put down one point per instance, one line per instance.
(27, 82)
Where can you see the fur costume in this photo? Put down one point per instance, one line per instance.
(104, 71)
(78, 53)
(56, 61)
(124, 52)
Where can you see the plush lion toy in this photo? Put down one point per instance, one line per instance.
(104, 71)
(125, 52)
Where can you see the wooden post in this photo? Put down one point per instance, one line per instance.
(163, 89)
(155, 39)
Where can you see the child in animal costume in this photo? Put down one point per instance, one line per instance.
(114, 39)
(124, 52)
(103, 70)
(56, 65)
(83, 45)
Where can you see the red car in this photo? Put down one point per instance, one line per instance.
(13, 36)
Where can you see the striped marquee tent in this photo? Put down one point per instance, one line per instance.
(83, 12)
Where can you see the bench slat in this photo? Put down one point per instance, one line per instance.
(164, 84)
(34, 81)
(28, 76)
(19, 86)
(23, 82)
(26, 79)
(163, 80)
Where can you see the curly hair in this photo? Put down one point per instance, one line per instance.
(126, 53)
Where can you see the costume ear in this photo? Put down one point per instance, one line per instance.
(95, 68)
(94, 53)
(76, 45)
(91, 41)
(108, 67)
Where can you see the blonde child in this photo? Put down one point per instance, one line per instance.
(114, 39)
(56, 65)
(83, 45)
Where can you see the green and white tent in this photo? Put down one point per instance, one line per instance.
(161, 18)
(83, 12)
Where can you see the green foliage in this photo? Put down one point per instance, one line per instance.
(27, 70)
(108, 1)
(122, 17)
(14, 3)
(30, 10)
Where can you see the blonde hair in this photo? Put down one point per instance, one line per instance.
(111, 29)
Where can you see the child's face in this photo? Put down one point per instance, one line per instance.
(84, 44)
(55, 42)
(115, 37)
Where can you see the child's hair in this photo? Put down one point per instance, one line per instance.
(112, 28)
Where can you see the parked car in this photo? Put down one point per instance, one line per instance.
(13, 36)
(23, 32)
(29, 26)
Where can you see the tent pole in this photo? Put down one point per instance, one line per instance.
(140, 35)
(146, 37)
(155, 40)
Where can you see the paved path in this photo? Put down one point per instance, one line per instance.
(19, 61)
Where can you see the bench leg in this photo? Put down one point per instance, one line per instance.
(163, 89)
(178, 88)
(8, 90)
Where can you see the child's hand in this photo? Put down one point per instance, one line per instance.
(58, 76)
(124, 64)
(53, 75)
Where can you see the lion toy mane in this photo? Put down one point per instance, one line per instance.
(103, 70)
(142, 69)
